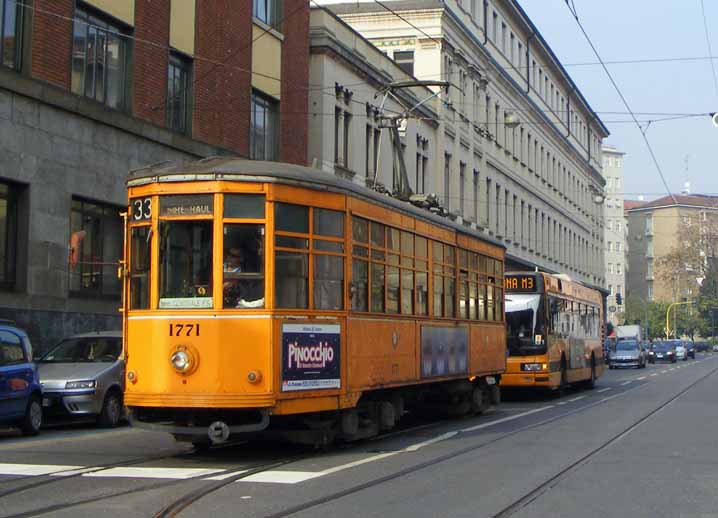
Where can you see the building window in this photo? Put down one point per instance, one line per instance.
(266, 11)
(11, 41)
(610, 267)
(100, 69)
(405, 60)
(476, 195)
(618, 269)
(447, 180)
(179, 94)
(95, 248)
(264, 132)
(342, 126)
(422, 164)
(462, 180)
(618, 246)
(8, 233)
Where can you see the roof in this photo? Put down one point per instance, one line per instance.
(683, 200)
(243, 170)
(632, 204)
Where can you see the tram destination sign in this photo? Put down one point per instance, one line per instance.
(186, 205)
(311, 356)
(525, 283)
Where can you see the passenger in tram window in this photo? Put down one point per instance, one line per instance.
(243, 272)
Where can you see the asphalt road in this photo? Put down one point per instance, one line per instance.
(643, 443)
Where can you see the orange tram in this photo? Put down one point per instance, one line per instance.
(554, 332)
(265, 299)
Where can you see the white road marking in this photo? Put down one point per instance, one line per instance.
(641, 378)
(626, 383)
(418, 446)
(74, 472)
(672, 369)
(603, 390)
(174, 473)
(561, 403)
(282, 477)
(225, 476)
(576, 399)
(33, 469)
(505, 419)
(654, 374)
(663, 372)
(359, 462)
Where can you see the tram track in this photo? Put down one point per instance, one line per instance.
(182, 503)
(523, 500)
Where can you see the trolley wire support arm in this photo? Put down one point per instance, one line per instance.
(402, 189)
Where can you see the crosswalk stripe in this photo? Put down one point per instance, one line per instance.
(34, 469)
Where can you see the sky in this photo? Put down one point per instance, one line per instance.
(645, 29)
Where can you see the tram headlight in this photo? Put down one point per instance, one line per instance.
(181, 361)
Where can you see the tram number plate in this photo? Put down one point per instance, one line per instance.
(184, 329)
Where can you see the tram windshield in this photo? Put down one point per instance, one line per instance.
(524, 324)
(185, 264)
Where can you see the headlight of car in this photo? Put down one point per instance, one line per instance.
(533, 367)
(85, 384)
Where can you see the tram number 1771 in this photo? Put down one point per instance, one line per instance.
(184, 329)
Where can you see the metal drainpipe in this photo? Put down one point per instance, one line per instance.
(486, 21)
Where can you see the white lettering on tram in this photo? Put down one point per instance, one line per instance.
(312, 356)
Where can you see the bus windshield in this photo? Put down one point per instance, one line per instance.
(524, 324)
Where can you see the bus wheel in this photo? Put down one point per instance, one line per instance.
(591, 383)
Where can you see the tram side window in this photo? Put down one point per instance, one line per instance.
(186, 264)
(291, 260)
(243, 266)
(328, 226)
(360, 265)
(422, 275)
(140, 246)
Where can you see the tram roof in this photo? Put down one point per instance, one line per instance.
(243, 170)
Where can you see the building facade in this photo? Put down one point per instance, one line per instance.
(614, 232)
(657, 228)
(518, 153)
(91, 89)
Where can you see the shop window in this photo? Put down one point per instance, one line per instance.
(95, 248)
(9, 194)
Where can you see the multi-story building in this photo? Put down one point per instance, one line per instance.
(657, 228)
(90, 89)
(519, 147)
(614, 231)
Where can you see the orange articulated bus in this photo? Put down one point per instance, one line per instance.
(264, 298)
(554, 329)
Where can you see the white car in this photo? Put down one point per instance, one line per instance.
(681, 351)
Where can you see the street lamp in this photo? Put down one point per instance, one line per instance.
(511, 120)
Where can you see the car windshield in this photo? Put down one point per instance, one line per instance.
(84, 350)
(662, 347)
(626, 346)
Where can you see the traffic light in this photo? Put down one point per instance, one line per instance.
(619, 299)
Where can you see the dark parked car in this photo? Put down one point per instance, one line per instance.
(662, 352)
(628, 353)
(84, 375)
(702, 347)
(20, 392)
(690, 349)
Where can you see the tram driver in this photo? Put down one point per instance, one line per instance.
(243, 283)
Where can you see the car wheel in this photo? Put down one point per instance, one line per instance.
(32, 420)
(111, 410)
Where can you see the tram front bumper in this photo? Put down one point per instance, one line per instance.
(528, 379)
(192, 433)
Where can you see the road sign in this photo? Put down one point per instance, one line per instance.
(612, 309)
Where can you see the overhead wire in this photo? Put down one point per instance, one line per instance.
(625, 103)
(708, 43)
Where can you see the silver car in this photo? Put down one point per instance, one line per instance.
(84, 375)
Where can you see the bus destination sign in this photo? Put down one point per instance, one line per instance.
(186, 205)
(520, 283)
